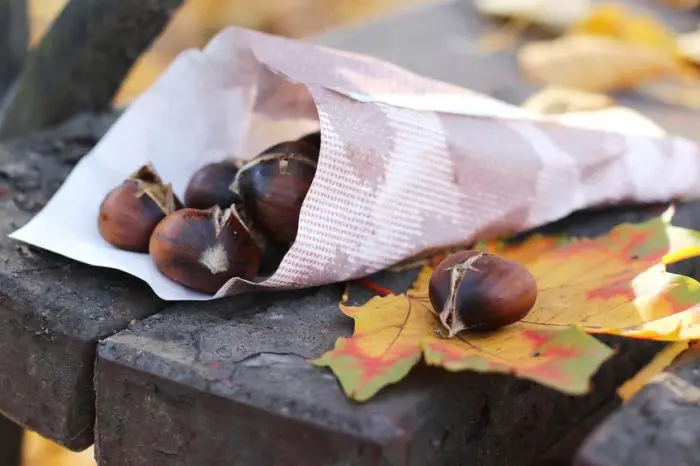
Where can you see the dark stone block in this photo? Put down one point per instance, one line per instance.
(209, 383)
(53, 310)
(659, 425)
(81, 62)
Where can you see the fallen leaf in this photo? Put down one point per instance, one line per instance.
(688, 46)
(556, 100)
(660, 362)
(554, 14)
(392, 333)
(626, 25)
(615, 283)
(609, 63)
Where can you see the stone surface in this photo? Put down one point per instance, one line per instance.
(659, 425)
(52, 310)
(206, 383)
(81, 62)
(14, 39)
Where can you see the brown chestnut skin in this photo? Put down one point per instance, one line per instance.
(211, 185)
(304, 148)
(272, 188)
(203, 249)
(476, 291)
(312, 138)
(272, 256)
(130, 212)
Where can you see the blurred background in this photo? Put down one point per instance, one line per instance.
(199, 20)
(195, 23)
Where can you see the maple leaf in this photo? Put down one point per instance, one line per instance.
(615, 283)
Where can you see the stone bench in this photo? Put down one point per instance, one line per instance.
(210, 383)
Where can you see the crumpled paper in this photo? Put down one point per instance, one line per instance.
(407, 164)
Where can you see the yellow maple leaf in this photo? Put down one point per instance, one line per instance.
(615, 284)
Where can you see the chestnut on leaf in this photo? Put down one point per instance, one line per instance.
(130, 212)
(272, 188)
(477, 291)
(211, 185)
(203, 249)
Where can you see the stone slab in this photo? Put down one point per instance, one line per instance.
(208, 383)
(53, 310)
(81, 62)
(659, 425)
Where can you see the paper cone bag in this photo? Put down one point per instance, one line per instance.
(407, 164)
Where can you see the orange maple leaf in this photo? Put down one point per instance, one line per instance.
(615, 283)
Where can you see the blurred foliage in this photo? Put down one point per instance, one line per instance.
(198, 20)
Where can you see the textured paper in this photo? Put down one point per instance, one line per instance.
(407, 163)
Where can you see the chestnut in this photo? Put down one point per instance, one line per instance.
(293, 147)
(130, 212)
(272, 255)
(272, 188)
(211, 185)
(477, 291)
(312, 138)
(203, 249)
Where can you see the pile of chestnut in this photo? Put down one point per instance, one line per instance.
(237, 220)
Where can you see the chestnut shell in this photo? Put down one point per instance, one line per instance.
(203, 249)
(273, 188)
(211, 185)
(312, 138)
(130, 212)
(497, 293)
(299, 147)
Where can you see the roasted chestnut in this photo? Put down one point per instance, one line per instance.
(293, 147)
(203, 249)
(211, 185)
(130, 212)
(273, 187)
(477, 291)
(272, 255)
(312, 138)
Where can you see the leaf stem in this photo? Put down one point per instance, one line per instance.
(370, 285)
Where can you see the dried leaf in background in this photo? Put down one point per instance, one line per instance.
(555, 14)
(615, 283)
(689, 46)
(557, 100)
(609, 64)
(627, 25)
